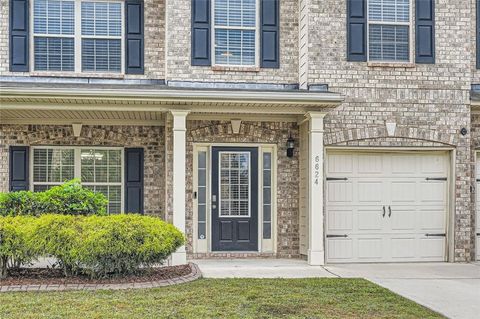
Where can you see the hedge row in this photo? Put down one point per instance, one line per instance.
(68, 199)
(97, 246)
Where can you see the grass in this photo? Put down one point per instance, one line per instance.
(222, 298)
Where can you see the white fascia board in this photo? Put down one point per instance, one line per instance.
(183, 95)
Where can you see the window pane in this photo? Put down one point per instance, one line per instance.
(54, 54)
(101, 166)
(235, 47)
(101, 55)
(101, 19)
(53, 165)
(389, 10)
(235, 13)
(267, 195)
(54, 17)
(234, 184)
(388, 43)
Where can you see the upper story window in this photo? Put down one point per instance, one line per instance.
(79, 36)
(389, 30)
(235, 32)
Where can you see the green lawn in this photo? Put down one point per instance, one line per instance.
(222, 298)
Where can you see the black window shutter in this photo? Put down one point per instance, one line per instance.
(478, 34)
(270, 34)
(134, 180)
(19, 36)
(425, 31)
(134, 40)
(201, 55)
(18, 168)
(357, 30)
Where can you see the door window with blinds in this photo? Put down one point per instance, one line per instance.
(234, 184)
(99, 169)
(389, 30)
(78, 36)
(235, 32)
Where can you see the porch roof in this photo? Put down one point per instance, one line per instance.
(23, 101)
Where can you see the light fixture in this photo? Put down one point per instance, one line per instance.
(290, 146)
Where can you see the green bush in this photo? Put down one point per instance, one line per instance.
(106, 245)
(15, 242)
(20, 203)
(67, 199)
(72, 198)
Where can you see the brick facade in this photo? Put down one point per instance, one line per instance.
(430, 103)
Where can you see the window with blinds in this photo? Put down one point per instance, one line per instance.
(101, 36)
(91, 41)
(53, 35)
(389, 27)
(235, 32)
(99, 169)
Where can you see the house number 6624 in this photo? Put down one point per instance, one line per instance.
(316, 170)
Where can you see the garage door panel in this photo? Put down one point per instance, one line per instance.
(432, 249)
(339, 219)
(340, 249)
(433, 164)
(403, 219)
(403, 191)
(433, 192)
(370, 164)
(339, 192)
(340, 164)
(370, 192)
(403, 164)
(369, 219)
(403, 248)
(432, 219)
(370, 248)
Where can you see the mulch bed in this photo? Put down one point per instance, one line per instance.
(49, 276)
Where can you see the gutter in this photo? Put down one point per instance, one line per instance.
(180, 95)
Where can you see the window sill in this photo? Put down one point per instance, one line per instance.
(78, 75)
(220, 68)
(391, 64)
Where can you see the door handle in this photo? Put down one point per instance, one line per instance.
(383, 215)
(389, 211)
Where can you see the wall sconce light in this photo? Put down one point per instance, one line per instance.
(290, 146)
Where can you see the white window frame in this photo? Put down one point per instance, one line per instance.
(220, 185)
(77, 36)
(410, 25)
(257, 37)
(77, 168)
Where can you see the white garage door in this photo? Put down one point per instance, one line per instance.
(386, 207)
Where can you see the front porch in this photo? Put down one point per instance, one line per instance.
(182, 133)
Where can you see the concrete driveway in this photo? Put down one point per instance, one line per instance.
(450, 289)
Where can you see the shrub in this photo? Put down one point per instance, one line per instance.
(67, 199)
(20, 203)
(58, 236)
(121, 244)
(15, 242)
(106, 245)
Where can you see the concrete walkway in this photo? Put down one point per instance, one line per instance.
(450, 289)
(259, 268)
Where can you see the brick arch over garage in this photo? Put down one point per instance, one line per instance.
(405, 136)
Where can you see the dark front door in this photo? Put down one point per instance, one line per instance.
(234, 199)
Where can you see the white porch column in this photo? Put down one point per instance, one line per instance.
(178, 188)
(316, 252)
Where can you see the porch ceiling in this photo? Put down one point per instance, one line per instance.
(24, 102)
